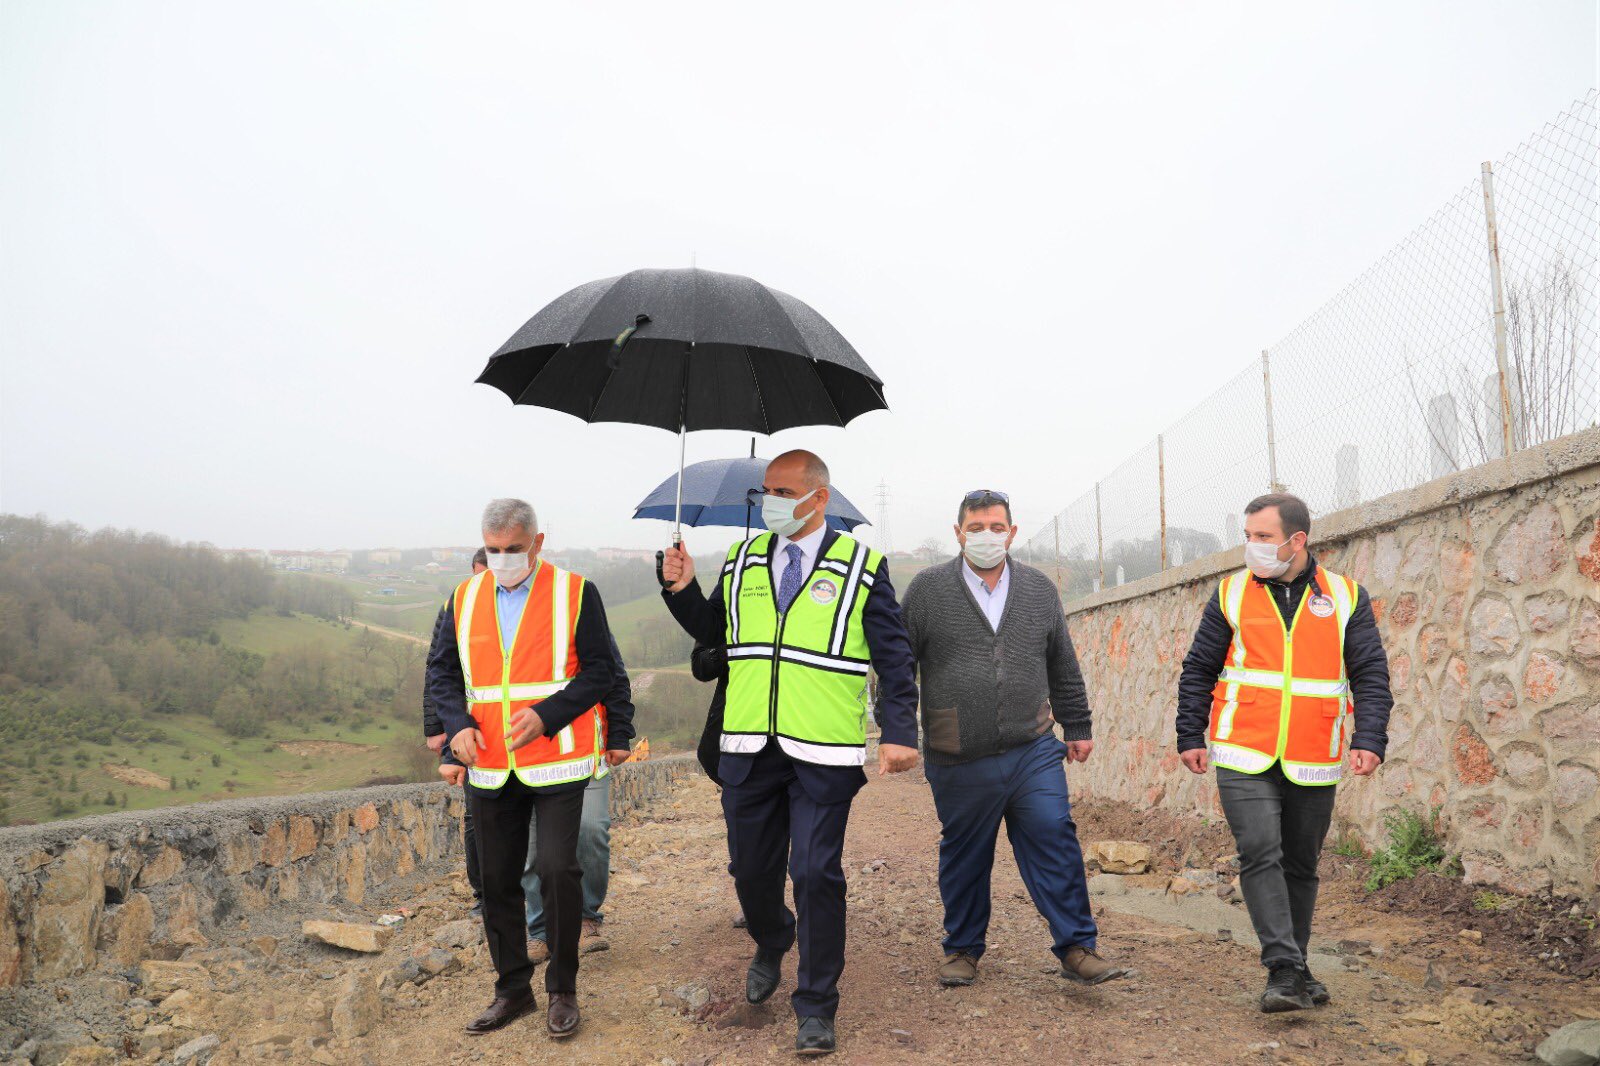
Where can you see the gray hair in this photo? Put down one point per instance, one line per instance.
(508, 513)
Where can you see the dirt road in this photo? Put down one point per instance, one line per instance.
(670, 988)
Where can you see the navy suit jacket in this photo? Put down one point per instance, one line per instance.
(889, 647)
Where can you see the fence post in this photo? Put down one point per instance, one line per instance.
(1499, 303)
(1161, 482)
(1272, 441)
(1099, 536)
(1060, 583)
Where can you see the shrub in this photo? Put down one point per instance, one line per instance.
(1412, 848)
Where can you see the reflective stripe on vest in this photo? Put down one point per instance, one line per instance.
(502, 677)
(799, 677)
(1265, 710)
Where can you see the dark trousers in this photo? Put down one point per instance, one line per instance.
(474, 877)
(501, 822)
(772, 818)
(1279, 827)
(1027, 788)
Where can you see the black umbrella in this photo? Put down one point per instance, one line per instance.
(685, 349)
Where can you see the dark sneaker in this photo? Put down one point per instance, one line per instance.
(1088, 968)
(1315, 988)
(815, 1036)
(766, 969)
(1286, 990)
(958, 970)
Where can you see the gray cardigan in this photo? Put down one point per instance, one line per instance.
(985, 692)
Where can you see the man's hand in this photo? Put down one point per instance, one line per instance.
(1196, 760)
(1363, 762)
(895, 758)
(452, 774)
(465, 746)
(1079, 750)
(435, 743)
(677, 569)
(526, 727)
(617, 756)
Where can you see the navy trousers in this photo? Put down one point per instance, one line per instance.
(778, 809)
(1027, 787)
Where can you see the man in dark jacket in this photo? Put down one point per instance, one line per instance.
(450, 767)
(1278, 822)
(998, 674)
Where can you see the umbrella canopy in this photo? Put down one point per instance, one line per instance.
(718, 493)
(684, 350)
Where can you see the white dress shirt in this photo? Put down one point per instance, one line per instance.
(809, 545)
(991, 603)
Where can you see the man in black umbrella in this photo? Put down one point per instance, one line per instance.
(804, 612)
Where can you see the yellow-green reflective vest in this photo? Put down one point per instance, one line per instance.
(800, 676)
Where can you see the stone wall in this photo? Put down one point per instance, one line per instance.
(1486, 585)
(126, 887)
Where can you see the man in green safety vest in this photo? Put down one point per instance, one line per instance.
(805, 613)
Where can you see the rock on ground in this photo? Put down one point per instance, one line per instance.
(1577, 1044)
(351, 935)
(1119, 856)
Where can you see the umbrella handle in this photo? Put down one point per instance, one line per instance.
(661, 575)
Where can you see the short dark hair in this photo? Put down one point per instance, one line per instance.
(1292, 510)
(982, 503)
(480, 557)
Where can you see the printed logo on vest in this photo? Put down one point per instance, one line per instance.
(1319, 773)
(824, 591)
(1320, 605)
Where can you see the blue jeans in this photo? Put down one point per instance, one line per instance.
(1027, 787)
(594, 856)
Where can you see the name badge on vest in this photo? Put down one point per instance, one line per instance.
(824, 591)
(1320, 605)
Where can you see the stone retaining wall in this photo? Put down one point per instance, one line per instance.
(147, 884)
(1486, 585)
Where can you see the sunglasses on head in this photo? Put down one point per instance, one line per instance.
(986, 494)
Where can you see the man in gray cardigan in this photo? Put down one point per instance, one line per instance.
(998, 673)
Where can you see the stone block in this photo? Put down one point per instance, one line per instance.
(1119, 856)
(135, 921)
(1586, 635)
(302, 836)
(1574, 1044)
(166, 864)
(1502, 713)
(198, 1051)
(1492, 629)
(1547, 612)
(1589, 553)
(350, 935)
(1533, 548)
(1525, 765)
(1572, 725)
(1541, 678)
(159, 979)
(1575, 785)
(10, 941)
(1457, 565)
(275, 844)
(1404, 611)
(1474, 763)
(358, 1010)
(66, 914)
(366, 818)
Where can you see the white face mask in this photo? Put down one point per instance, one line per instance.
(1263, 561)
(777, 513)
(508, 568)
(985, 549)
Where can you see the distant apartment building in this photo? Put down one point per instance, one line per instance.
(317, 562)
(618, 555)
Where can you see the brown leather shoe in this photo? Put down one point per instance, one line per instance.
(958, 970)
(592, 939)
(562, 1017)
(1085, 967)
(501, 1013)
(538, 951)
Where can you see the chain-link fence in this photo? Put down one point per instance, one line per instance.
(1477, 335)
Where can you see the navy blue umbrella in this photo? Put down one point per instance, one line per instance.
(727, 492)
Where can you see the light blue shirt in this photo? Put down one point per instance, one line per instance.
(991, 603)
(509, 604)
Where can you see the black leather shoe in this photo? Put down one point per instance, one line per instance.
(1286, 990)
(1315, 988)
(562, 1018)
(501, 1013)
(761, 980)
(815, 1037)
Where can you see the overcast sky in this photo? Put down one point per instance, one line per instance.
(253, 256)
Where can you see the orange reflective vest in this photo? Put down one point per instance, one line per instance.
(1283, 695)
(502, 677)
